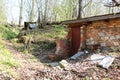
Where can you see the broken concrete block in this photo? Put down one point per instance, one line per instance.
(74, 57)
(63, 63)
(96, 58)
(106, 62)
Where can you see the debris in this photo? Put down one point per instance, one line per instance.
(86, 51)
(96, 58)
(63, 63)
(106, 62)
(53, 64)
(74, 57)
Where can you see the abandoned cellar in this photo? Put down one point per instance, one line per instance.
(98, 33)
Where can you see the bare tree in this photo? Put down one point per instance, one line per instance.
(32, 11)
(29, 8)
(80, 9)
(114, 3)
(20, 14)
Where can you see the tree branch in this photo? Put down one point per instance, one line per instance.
(116, 3)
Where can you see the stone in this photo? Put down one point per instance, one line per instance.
(106, 62)
(108, 35)
(92, 42)
(63, 64)
(103, 44)
(91, 39)
(86, 51)
(101, 34)
(118, 36)
(53, 64)
(87, 41)
(74, 57)
(112, 47)
(116, 43)
(112, 38)
(46, 78)
(96, 58)
(106, 38)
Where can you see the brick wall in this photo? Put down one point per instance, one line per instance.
(106, 34)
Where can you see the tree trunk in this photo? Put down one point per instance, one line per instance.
(45, 12)
(39, 20)
(20, 15)
(79, 10)
(32, 11)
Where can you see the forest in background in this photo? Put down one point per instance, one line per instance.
(54, 10)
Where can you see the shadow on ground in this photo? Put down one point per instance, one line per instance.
(42, 49)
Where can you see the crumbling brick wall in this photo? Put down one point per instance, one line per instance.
(104, 34)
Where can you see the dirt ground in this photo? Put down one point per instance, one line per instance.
(82, 69)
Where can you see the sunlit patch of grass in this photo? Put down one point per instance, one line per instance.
(9, 72)
(6, 60)
(49, 35)
(52, 32)
(60, 30)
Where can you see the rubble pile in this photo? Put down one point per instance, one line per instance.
(90, 67)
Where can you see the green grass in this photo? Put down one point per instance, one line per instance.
(6, 61)
(52, 32)
(6, 58)
(58, 31)
(8, 33)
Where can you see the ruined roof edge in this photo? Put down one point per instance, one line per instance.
(94, 18)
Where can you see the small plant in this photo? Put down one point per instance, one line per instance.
(86, 78)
